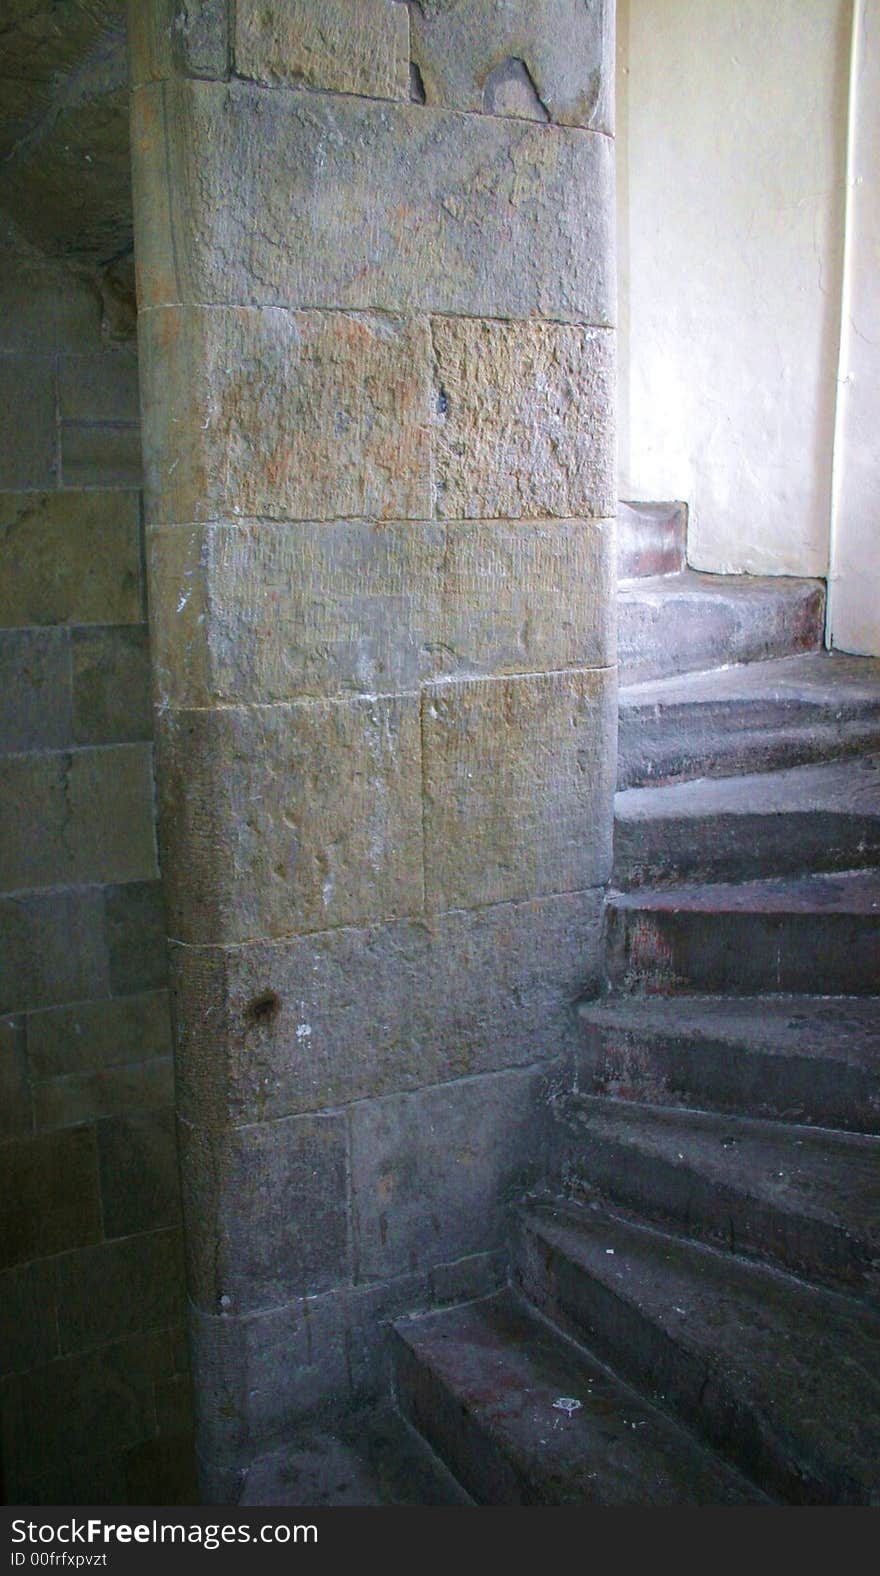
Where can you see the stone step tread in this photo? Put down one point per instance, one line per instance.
(842, 892)
(804, 1360)
(501, 1373)
(843, 1029)
(692, 584)
(820, 1173)
(816, 678)
(848, 788)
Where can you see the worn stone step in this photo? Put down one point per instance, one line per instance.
(818, 934)
(758, 717)
(484, 1384)
(781, 1376)
(806, 819)
(805, 1198)
(795, 1058)
(651, 539)
(679, 623)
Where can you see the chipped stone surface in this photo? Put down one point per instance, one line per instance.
(268, 611)
(526, 424)
(276, 1195)
(281, 819)
(167, 39)
(465, 50)
(519, 778)
(349, 203)
(299, 1025)
(317, 415)
(349, 46)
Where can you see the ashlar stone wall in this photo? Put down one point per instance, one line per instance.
(376, 286)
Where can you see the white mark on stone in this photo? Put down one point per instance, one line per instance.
(183, 601)
(567, 1403)
(303, 1031)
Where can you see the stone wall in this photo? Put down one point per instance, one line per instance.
(376, 289)
(94, 1389)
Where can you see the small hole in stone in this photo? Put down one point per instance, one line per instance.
(416, 84)
(442, 401)
(263, 1008)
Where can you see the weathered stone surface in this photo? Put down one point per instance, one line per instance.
(348, 46)
(267, 1212)
(271, 612)
(111, 684)
(51, 948)
(134, 922)
(100, 455)
(35, 689)
(72, 818)
(28, 445)
(137, 1161)
(167, 39)
(290, 818)
(526, 424)
(69, 558)
(466, 49)
(28, 1331)
(48, 1195)
(519, 782)
(270, 1029)
(526, 596)
(119, 1288)
(99, 1034)
(81, 1097)
(16, 1115)
(504, 218)
(434, 1172)
(317, 415)
(98, 387)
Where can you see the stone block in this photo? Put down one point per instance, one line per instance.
(525, 596)
(274, 612)
(116, 1289)
(161, 1471)
(16, 1112)
(134, 920)
(49, 1198)
(74, 818)
(111, 684)
(468, 52)
(93, 1035)
(28, 1331)
(267, 1208)
(81, 1097)
(52, 948)
(348, 46)
(290, 818)
(174, 1407)
(28, 455)
(35, 689)
(434, 1173)
(69, 558)
(303, 1024)
(99, 388)
(519, 780)
(137, 1160)
(504, 218)
(526, 425)
(297, 415)
(100, 455)
(166, 39)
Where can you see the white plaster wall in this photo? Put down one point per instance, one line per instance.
(855, 578)
(732, 120)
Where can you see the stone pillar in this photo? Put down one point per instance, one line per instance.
(376, 287)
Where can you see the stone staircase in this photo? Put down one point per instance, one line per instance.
(693, 1318)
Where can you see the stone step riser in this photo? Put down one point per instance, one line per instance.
(719, 1075)
(624, 1335)
(669, 951)
(696, 623)
(737, 739)
(651, 539)
(678, 1198)
(654, 852)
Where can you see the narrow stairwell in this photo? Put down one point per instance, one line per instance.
(694, 1318)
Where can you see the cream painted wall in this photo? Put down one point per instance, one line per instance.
(732, 122)
(855, 560)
